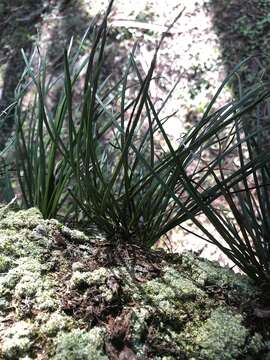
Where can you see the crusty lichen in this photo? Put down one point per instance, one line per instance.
(173, 294)
(80, 345)
(18, 339)
(5, 263)
(75, 235)
(56, 321)
(25, 286)
(139, 318)
(174, 308)
(96, 278)
(222, 336)
(25, 281)
(208, 273)
(21, 219)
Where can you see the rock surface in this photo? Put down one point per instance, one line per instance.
(65, 295)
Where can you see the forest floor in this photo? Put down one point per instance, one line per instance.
(209, 39)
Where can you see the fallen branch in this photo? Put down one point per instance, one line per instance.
(141, 25)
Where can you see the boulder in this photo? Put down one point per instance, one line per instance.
(65, 294)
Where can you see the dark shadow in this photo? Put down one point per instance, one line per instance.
(243, 28)
(74, 22)
(17, 31)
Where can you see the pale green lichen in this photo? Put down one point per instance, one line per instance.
(80, 345)
(80, 279)
(89, 278)
(22, 244)
(27, 268)
(139, 317)
(46, 299)
(4, 303)
(184, 287)
(26, 284)
(173, 293)
(78, 266)
(24, 249)
(5, 263)
(55, 323)
(18, 339)
(175, 304)
(75, 235)
(207, 273)
(96, 278)
(222, 336)
(6, 209)
(20, 219)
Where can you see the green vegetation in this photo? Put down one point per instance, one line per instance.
(97, 156)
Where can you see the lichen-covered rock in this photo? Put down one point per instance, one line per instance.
(139, 317)
(81, 345)
(18, 220)
(18, 339)
(4, 263)
(175, 296)
(98, 276)
(222, 336)
(56, 322)
(210, 274)
(62, 297)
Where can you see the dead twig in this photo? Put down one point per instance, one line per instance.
(142, 25)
